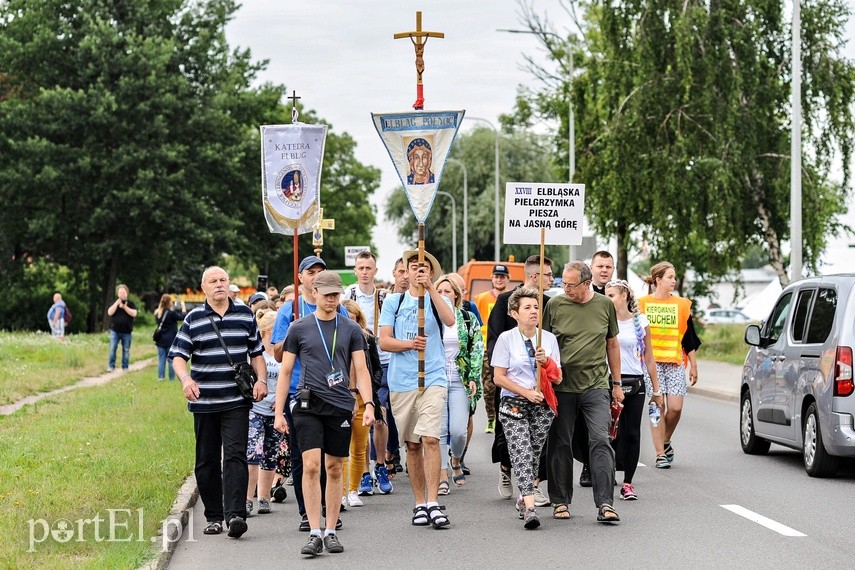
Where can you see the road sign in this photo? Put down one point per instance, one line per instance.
(350, 253)
(558, 208)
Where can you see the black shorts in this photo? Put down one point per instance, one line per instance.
(326, 428)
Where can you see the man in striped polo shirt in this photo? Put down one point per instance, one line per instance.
(220, 413)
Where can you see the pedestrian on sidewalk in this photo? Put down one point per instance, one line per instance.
(674, 342)
(331, 349)
(166, 319)
(418, 412)
(526, 414)
(636, 360)
(220, 412)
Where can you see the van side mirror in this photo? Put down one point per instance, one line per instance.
(752, 335)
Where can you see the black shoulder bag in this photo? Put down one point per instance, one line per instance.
(245, 377)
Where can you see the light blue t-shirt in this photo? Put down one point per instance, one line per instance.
(284, 318)
(265, 406)
(404, 366)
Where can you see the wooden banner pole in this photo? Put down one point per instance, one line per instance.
(421, 308)
(540, 304)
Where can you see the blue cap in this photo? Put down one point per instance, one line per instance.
(311, 261)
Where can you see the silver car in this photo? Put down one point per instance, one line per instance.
(797, 384)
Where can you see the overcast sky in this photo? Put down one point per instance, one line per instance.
(340, 57)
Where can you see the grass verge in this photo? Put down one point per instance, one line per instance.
(123, 448)
(35, 363)
(723, 343)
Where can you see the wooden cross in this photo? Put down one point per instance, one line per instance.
(419, 39)
(318, 231)
(294, 112)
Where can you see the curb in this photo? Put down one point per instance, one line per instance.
(173, 525)
(716, 394)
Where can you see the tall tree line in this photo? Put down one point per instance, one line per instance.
(129, 151)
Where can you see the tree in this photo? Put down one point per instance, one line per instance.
(129, 143)
(683, 127)
(522, 157)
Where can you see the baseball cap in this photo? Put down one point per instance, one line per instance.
(501, 270)
(257, 297)
(311, 261)
(328, 282)
(234, 288)
(435, 266)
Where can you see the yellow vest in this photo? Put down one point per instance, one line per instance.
(668, 323)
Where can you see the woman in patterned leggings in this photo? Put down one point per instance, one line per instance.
(526, 417)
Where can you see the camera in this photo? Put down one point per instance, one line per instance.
(303, 394)
(261, 283)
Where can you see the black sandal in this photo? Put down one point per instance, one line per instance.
(439, 520)
(213, 528)
(390, 468)
(607, 515)
(421, 516)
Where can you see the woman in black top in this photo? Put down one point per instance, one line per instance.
(167, 327)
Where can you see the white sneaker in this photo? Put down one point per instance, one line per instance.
(354, 500)
(505, 485)
(540, 500)
(344, 502)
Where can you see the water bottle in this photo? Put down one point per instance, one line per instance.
(654, 413)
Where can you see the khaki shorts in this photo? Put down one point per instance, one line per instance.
(418, 414)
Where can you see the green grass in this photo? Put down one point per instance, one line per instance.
(723, 343)
(124, 445)
(34, 362)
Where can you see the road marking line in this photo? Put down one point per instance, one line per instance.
(761, 520)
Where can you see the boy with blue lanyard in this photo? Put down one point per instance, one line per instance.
(308, 269)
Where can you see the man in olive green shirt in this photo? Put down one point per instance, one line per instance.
(585, 324)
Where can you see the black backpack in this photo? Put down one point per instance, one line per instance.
(433, 310)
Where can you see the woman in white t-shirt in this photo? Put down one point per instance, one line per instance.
(635, 361)
(523, 409)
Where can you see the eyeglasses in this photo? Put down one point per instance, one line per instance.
(569, 286)
(530, 347)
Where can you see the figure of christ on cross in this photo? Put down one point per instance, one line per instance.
(419, 39)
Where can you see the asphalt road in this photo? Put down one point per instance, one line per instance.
(679, 519)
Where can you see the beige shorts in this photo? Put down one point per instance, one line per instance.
(418, 414)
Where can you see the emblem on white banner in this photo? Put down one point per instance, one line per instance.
(291, 161)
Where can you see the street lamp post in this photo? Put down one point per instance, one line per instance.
(796, 149)
(496, 224)
(465, 208)
(571, 122)
(453, 228)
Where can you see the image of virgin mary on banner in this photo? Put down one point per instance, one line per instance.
(418, 144)
(291, 161)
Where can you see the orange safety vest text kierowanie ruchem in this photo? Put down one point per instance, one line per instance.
(668, 322)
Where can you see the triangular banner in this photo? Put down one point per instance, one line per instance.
(291, 160)
(418, 144)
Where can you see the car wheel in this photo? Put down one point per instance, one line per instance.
(818, 462)
(751, 443)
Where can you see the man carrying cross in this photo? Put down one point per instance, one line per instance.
(418, 409)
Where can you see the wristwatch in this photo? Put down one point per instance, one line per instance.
(656, 393)
(370, 403)
(616, 383)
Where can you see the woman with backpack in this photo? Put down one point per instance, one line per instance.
(167, 328)
(464, 354)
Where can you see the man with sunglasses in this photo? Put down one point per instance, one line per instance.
(500, 321)
(602, 271)
(585, 324)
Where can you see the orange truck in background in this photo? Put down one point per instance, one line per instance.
(478, 275)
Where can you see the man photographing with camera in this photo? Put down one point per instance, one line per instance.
(220, 411)
(122, 314)
(331, 349)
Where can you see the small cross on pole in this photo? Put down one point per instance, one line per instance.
(294, 113)
(318, 231)
(419, 39)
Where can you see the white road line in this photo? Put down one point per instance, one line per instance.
(761, 520)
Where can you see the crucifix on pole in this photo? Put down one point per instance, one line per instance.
(419, 39)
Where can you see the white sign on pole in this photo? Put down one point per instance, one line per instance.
(558, 208)
(350, 253)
